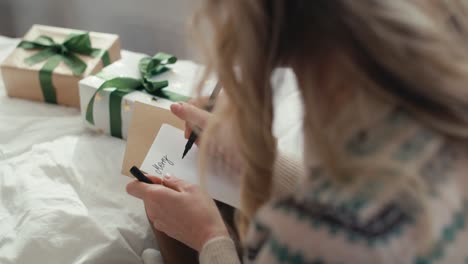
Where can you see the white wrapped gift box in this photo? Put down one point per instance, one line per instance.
(183, 78)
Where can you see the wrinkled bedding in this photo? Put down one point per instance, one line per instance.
(62, 197)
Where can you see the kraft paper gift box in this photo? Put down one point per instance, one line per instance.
(48, 64)
(108, 109)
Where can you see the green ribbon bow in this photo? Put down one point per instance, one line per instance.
(54, 53)
(148, 67)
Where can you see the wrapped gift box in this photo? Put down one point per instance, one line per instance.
(28, 76)
(182, 78)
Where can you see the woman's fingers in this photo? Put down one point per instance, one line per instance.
(164, 204)
(154, 179)
(199, 101)
(187, 131)
(191, 114)
(138, 189)
(141, 190)
(195, 118)
(174, 183)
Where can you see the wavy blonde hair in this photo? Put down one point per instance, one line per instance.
(414, 52)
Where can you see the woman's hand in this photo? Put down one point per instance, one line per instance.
(181, 210)
(193, 115)
(222, 150)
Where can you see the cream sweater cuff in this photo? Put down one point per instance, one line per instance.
(219, 250)
(286, 173)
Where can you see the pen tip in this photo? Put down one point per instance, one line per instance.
(185, 152)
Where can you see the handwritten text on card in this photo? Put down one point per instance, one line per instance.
(161, 165)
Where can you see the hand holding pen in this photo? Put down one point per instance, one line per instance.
(195, 118)
(169, 204)
(176, 198)
(194, 134)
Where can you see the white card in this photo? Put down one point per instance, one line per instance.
(165, 157)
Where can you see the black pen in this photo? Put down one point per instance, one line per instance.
(194, 136)
(139, 175)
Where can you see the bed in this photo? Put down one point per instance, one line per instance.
(62, 197)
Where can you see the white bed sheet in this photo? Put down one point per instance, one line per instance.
(62, 197)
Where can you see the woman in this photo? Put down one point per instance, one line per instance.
(385, 125)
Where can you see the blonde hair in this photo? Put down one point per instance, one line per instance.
(413, 52)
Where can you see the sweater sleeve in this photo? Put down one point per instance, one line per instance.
(219, 250)
(286, 172)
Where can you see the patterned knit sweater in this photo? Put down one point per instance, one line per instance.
(325, 221)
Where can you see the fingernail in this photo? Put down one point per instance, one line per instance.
(177, 106)
(167, 177)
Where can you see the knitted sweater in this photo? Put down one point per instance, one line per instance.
(363, 220)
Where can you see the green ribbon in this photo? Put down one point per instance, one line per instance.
(148, 68)
(54, 53)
